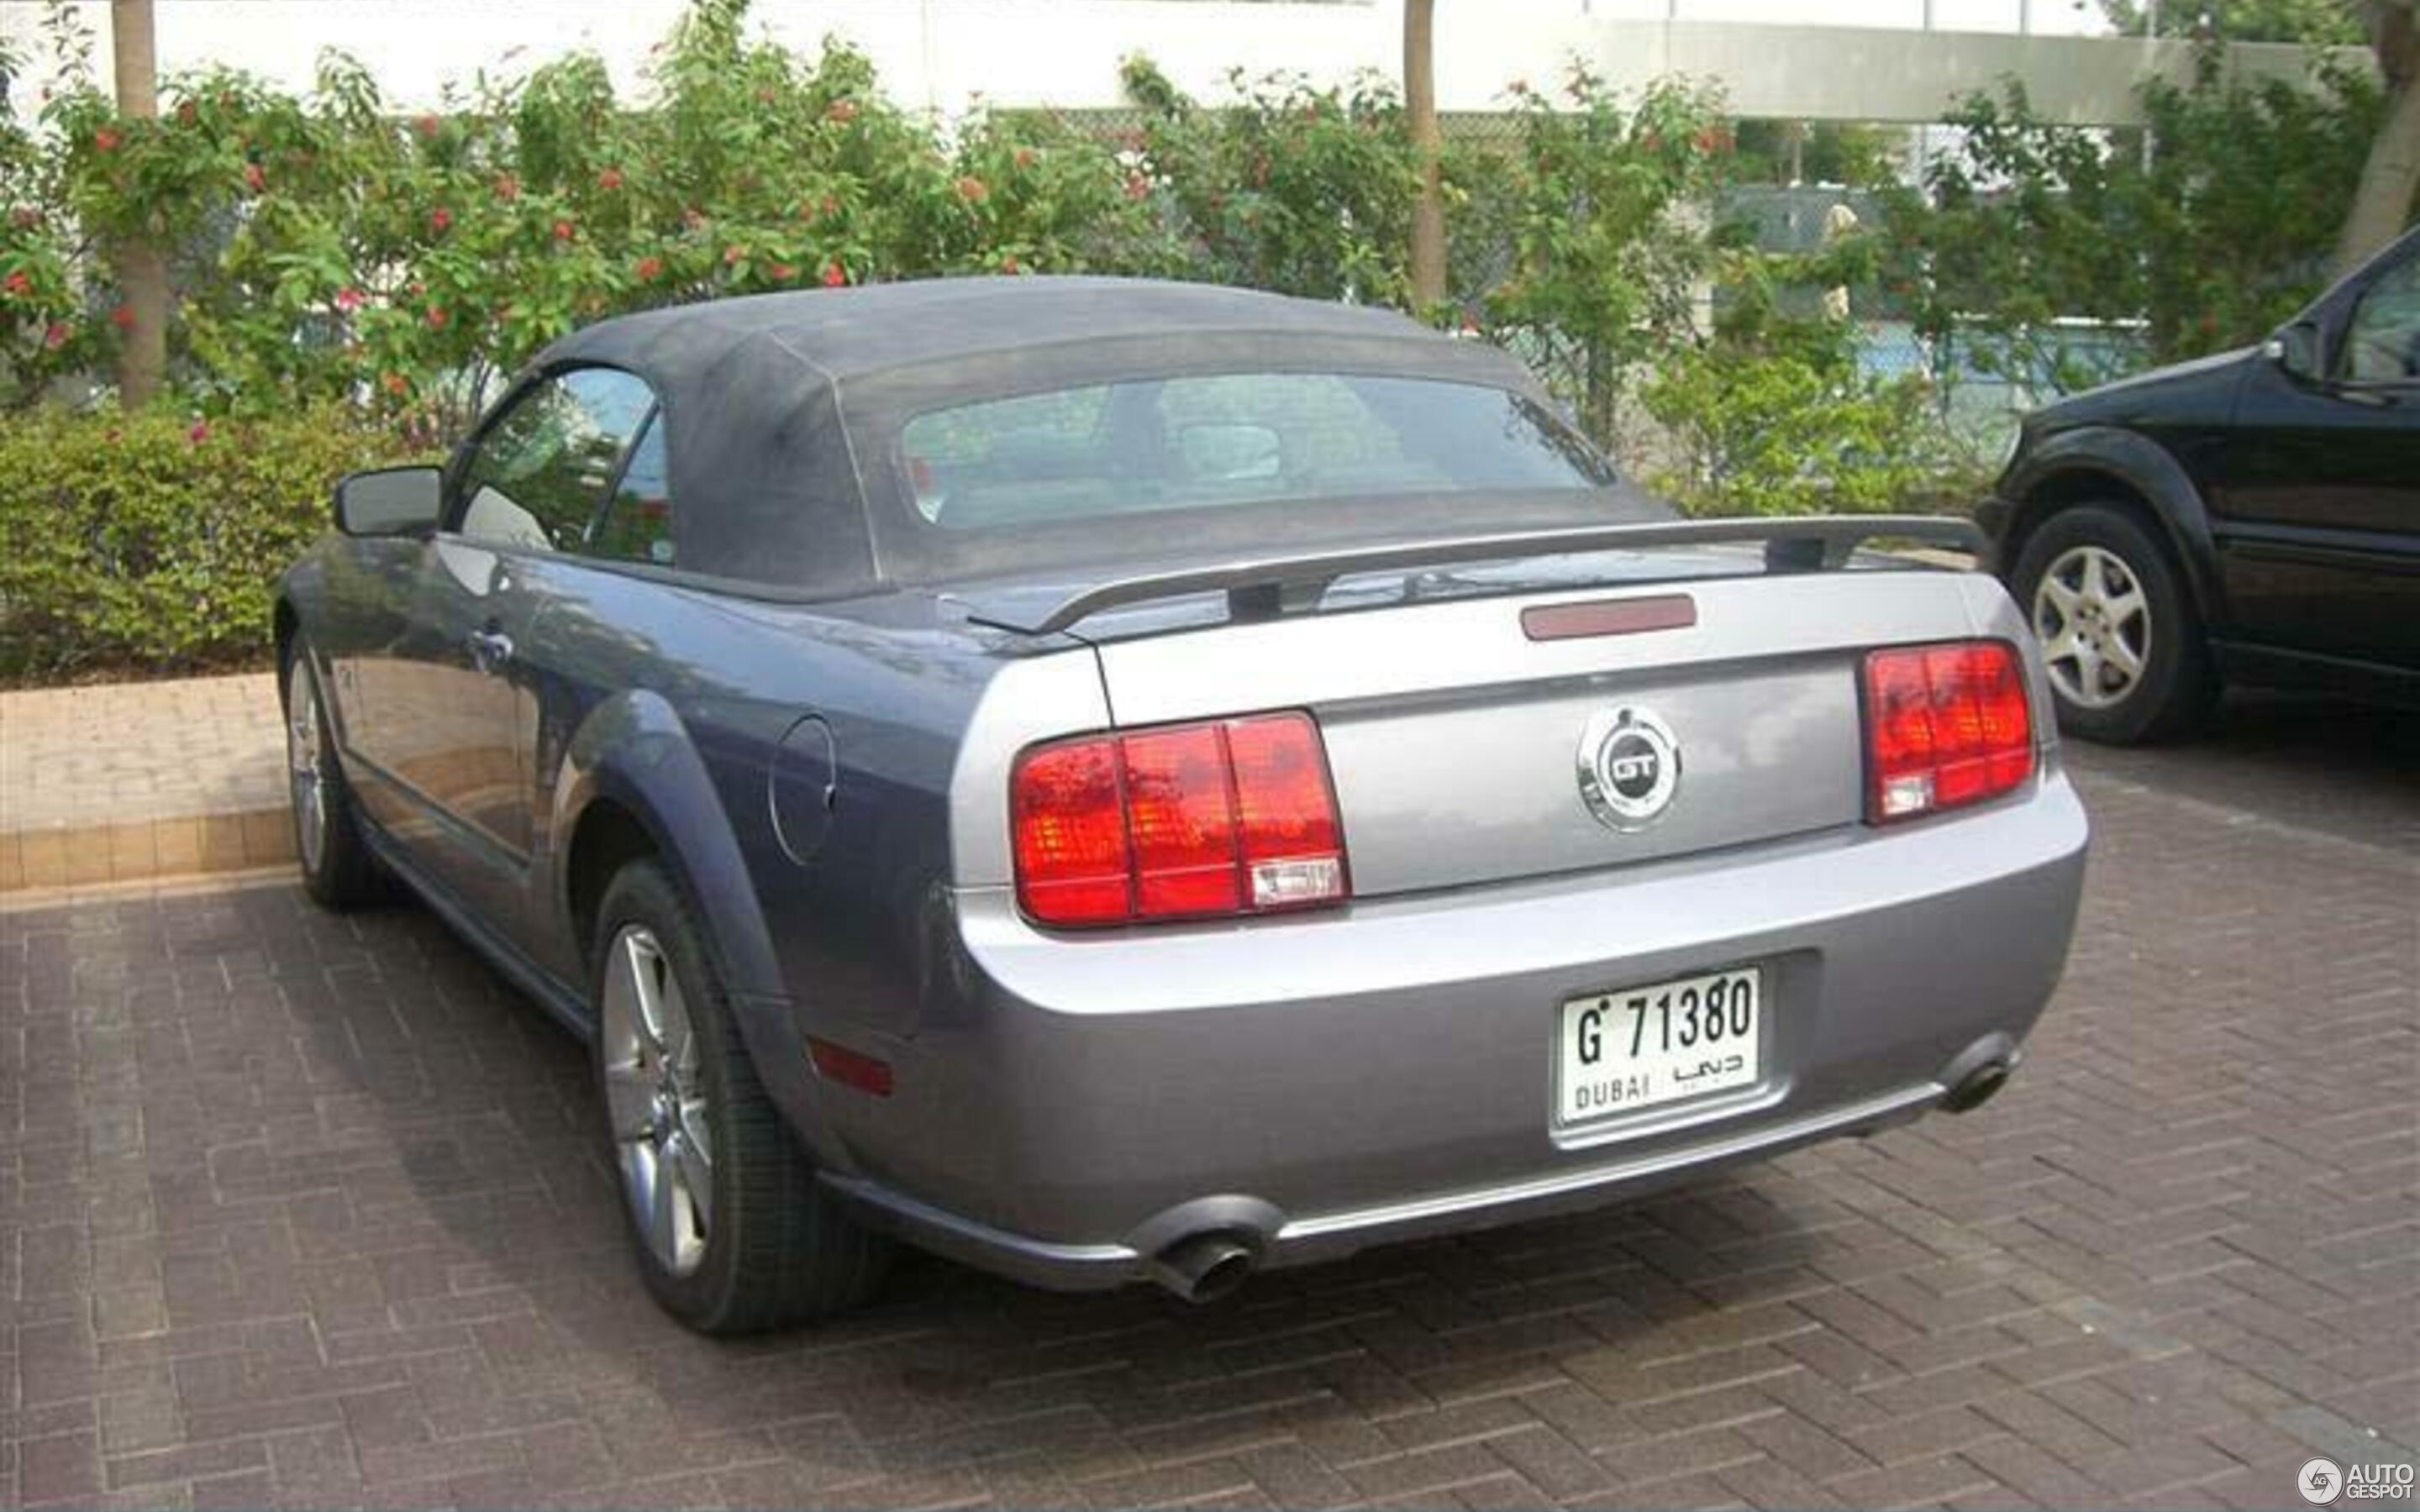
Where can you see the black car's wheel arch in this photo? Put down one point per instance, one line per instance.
(2121, 469)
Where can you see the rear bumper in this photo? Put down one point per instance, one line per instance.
(1074, 1106)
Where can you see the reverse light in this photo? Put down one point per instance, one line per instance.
(1946, 725)
(1191, 820)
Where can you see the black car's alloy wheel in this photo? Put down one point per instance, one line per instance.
(732, 1234)
(2119, 636)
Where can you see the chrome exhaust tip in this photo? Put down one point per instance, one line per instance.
(1978, 1088)
(1204, 1268)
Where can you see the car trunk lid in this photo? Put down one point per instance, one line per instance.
(1468, 736)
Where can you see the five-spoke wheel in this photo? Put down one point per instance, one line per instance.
(657, 1101)
(2119, 638)
(2095, 626)
(337, 867)
(732, 1232)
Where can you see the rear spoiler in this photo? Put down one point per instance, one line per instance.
(1255, 586)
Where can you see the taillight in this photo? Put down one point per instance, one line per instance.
(1194, 820)
(1945, 725)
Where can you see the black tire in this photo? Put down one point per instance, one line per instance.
(778, 1249)
(2176, 685)
(338, 870)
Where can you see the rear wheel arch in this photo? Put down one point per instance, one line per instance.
(607, 836)
(634, 787)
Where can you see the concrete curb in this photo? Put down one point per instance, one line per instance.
(143, 850)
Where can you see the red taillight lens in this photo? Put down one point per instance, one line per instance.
(1068, 806)
(1178, 822)
(1945, 725)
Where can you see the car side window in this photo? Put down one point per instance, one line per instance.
(538, 477)
(637, 522)
(2382, 343)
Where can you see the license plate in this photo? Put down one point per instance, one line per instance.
(1642, 1047)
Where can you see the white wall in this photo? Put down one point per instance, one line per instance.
(942, 53)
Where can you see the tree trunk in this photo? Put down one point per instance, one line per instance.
(1420, 114)
(2382, 205)
(142, 272)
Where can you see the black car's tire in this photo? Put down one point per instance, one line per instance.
(768, 1247)
(2128, 659)
(338, 870)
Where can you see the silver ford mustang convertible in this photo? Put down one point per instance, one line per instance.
(1123, 781)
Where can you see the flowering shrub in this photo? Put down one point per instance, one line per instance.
(1600, 206)
(324, 248)
(1285, 187)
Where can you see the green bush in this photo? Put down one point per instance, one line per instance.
(152, 544)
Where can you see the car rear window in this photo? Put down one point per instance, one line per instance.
(1189, 442)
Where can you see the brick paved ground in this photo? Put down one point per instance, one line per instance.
(303, 1211)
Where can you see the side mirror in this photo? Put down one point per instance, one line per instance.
(390, 501)
(2296, 349)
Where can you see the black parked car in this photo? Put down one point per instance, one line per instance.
(2248, 518)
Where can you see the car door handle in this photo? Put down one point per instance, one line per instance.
(490, 649)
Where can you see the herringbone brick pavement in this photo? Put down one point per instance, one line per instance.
(305, 1212)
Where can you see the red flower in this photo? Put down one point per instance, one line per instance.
(783, 272)
(1137, 186)
(1025, 158)
(610, 178)
(349, 298)
(436, 317)
(396, 384)
(732, 256)
(835, 275)
(55, 335)
(439, 218)
(252, 178)
(16, 283)
(843, 111)
(427, 125)
(648, 269)
(972, 190)
(507, 187)
(105, 139)
(563, 230)
(201, 433)
(122, 318)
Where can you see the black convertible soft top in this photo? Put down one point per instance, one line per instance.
(783, 412)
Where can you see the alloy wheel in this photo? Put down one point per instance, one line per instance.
(307, 764)
(655, 1099)
(2094, 623)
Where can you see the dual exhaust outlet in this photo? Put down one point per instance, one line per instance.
(1213, 1265)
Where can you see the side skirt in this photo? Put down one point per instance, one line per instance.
(535, 981)
(2271, 667)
